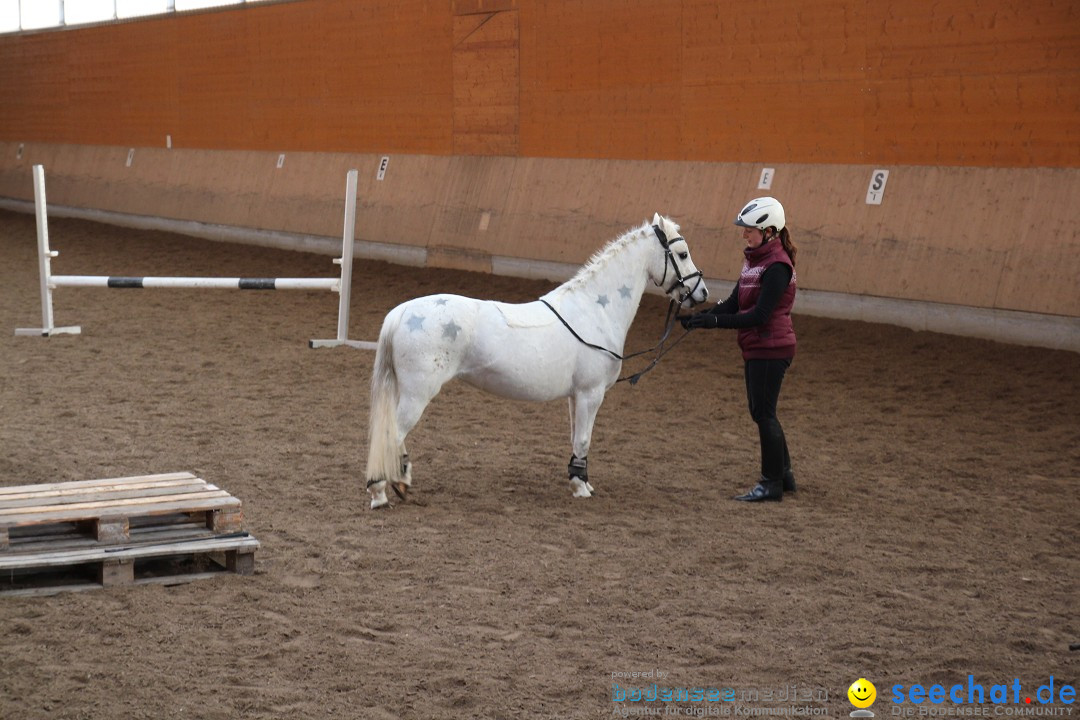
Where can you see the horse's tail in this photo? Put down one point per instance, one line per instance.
(384, 448)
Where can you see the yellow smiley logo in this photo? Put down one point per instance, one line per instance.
(862, 693)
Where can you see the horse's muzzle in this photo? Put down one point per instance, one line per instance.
(694, 295)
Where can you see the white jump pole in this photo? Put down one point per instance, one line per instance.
(49, 282)
(346, 262)
(45, 256)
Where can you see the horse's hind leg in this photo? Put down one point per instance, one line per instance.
(410, 408)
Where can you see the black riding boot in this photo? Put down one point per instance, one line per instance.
(766, 489)
(789, 477)
(771, 484)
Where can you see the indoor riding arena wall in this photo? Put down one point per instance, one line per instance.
(520, 135)
(932, 541)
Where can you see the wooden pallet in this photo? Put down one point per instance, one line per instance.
(152, 528)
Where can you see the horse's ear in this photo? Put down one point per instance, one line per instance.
(656, 219)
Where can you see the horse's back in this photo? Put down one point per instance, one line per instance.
(525, 315)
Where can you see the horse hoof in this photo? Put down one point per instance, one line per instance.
(581, 489)
(400, 489)
(377, 491)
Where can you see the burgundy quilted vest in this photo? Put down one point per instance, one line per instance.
(776, 338)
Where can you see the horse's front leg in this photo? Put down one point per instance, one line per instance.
(583, 408)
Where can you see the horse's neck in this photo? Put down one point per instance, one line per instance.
(611, 291)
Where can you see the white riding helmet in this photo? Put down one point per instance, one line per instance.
(761, 213)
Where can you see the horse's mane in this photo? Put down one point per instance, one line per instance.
(601, 257)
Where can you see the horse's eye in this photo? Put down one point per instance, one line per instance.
(684, 255)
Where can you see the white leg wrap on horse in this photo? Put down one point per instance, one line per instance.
(579, 476)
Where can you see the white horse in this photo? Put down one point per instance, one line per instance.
(569, 343)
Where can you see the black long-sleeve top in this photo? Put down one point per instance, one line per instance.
(774, 281)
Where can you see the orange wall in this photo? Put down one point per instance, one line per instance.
(310, 75)
(956, 82)
(993, 83)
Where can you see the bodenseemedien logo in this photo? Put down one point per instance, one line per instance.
(862, 694)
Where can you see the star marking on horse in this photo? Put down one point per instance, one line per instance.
(440, 301)
(416, 322)
(602, 301)
(450, 330)
(625, 292)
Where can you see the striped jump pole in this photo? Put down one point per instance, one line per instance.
(49, 282)
(212, 283)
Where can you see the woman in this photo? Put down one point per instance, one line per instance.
(759, 307)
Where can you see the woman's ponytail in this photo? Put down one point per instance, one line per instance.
(789, 246)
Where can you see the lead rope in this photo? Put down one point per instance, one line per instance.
(669, 323)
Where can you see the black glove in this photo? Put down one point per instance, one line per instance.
(699, 320)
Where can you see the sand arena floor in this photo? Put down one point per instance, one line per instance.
(935, 533)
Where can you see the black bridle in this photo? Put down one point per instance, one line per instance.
(669, 322)
(669, 259)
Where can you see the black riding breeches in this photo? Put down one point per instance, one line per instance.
(763, 381)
